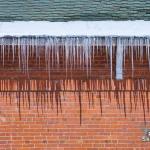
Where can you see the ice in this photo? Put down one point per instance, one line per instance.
(77, 52)
(119, 59)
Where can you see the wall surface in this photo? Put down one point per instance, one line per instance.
(48, 131)
(64, 10)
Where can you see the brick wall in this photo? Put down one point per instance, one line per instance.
(49, 131)
(46, 130)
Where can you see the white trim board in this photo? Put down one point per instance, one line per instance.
(75, 28)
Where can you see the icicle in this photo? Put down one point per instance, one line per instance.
(132, 57)
(66, 54)
(87, 53)
(71, 55)
(48, 49)
(119, 60)
(3, 52)
(57, 51)
(148, 50)
(125, 47)
(23, 54)
(108, 44)
(13, 49)
(141, 48)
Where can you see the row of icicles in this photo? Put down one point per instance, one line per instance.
(72, 53)
(76, 52)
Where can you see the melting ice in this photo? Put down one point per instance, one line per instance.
(77, 51)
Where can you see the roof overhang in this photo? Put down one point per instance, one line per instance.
(75, 28)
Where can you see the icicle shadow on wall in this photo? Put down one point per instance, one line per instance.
(47, 67)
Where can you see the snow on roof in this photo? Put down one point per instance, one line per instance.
(75, 28)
